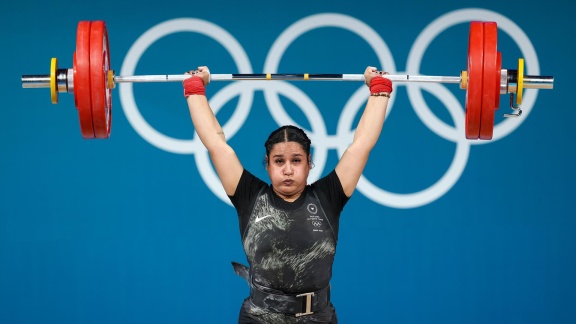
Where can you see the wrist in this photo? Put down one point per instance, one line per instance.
(380, 94)
(380, 85)
(194, 86)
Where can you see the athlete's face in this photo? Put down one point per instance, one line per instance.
(288, 167)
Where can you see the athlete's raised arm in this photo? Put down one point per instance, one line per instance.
(353, 161)
(223, 157)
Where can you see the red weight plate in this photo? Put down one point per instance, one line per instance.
(498, 72)
(74, 71)
(489, 87)
(474, 90)
(82, 79)
(99, 67)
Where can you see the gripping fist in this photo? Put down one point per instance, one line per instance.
(203, 72)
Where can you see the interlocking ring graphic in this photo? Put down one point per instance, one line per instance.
(321, 140)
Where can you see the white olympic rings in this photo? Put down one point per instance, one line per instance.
(322, 141)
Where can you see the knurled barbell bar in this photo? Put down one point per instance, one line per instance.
(91, 80)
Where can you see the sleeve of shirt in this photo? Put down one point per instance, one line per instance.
(248, 187)
(331, 188)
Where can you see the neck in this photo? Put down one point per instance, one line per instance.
(289, 198)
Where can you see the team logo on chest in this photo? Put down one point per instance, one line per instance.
(312, 209)
(315, 220)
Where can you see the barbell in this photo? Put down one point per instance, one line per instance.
(91, 80)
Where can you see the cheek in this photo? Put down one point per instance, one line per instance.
(303, 171)
(274, 172)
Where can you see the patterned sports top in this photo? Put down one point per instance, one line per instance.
(290, 246)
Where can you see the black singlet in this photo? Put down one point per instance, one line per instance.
(290, 246)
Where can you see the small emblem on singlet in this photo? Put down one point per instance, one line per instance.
(317, 223)
(312, 209)
(258, 218)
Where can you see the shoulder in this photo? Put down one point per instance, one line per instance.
(330, 188)
(248, 187)
(330, 180)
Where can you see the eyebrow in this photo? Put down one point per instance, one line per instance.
(282, 155)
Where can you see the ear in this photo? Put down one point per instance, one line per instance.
(310, 165)
(266, 161)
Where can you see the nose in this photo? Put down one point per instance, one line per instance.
(288, 170)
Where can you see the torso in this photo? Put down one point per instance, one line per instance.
(291, 251)
(290, 246)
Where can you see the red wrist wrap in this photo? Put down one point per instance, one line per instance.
(380, 84)
(194, 86)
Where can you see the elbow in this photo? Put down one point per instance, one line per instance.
(364, 143)
(360, 150)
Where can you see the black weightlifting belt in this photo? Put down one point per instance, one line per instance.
(297, 304)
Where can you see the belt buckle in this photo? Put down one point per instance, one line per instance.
(308, 304)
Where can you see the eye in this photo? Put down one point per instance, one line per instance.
(278, 161)
(296, 161)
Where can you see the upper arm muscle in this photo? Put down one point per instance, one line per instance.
(227, 166)
(350, 167)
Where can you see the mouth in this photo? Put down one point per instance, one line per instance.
(288, 182)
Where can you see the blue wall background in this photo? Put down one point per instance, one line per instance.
(127, 231)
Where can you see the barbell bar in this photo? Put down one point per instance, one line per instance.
(91, 80)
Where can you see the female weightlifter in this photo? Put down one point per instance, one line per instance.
(289, 228)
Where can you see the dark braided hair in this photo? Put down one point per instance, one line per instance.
(288, 133)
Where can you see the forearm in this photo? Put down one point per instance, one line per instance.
(370, 124)
(205, 122)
